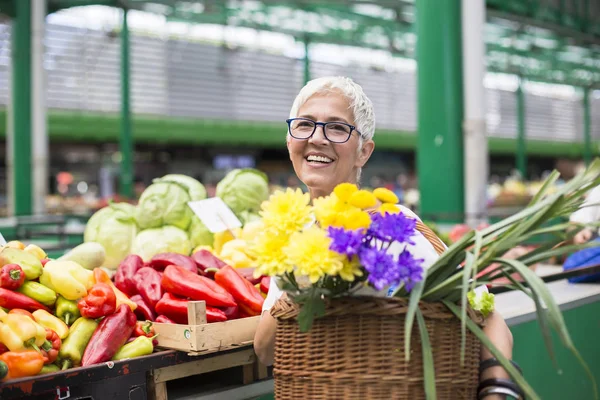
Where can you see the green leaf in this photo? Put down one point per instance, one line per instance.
(550, 180)
(428, 366)
(463, 309)
(313, 307)
(512, 371)
(413, 305)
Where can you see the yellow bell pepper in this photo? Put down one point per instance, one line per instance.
(18, 332)
(47, 320)
(67, 278)
(100, 276)
(36, 251)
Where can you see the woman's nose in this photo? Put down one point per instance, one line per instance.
(319, 136)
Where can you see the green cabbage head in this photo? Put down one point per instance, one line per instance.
(199, 233)
(114, 228)
(195, 189)
(167, 239)
(164, 203)
(244, 190)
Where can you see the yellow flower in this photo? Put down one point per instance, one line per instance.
(350, 269)
(328, 210)
(286, 212)
(362, 199)
(354, 219)
(269, 256)
(386, 196)
(344, 190)
(309, 252)
(389, 208)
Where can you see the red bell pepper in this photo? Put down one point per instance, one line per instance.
(143, 311)
(265, 283)
(161, 261)
(11, 276)
(182, 282)
(10, 300)
(124, 278)
(148, 284)
(99, 302)
(242, 291)
(144, 328)
(164, 320)
(231, 312)
(207, 262)
(111, 334)
(248, 274)
(51, 347)
(176, 308)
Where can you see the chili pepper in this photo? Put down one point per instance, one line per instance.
(175, 308)
(18, 332)
(164, 320)
(3, 348)
(21, 364)
(160, 261)
(22, 312)
(141, 346)
(182, 282)
(67, 278)
(11, 276)
(111, 334)
(67, 310)
(231, 312)
(49, 321)
(49, 369)
(143, 310)
(242, 291)
(246, 311)
(207, 262)
(10, 300)
(148, 284)
(31, 266)
(38, 292)
(125, 273)
(51, 346)
(144, 328)
(100, 276)
(265, 284)
(99, 302)
(72, 349)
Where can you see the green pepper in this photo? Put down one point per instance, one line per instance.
(38, 292)
(67, 310)
(74, 345)
(49, 369)
(141, 346)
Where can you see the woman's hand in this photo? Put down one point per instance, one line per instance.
(499, 334)
(583, 236)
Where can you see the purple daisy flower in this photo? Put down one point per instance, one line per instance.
(382, 268)
(345, 241)
(393, 227)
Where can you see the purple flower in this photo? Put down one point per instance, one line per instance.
(412, 269)
(382, 268)
(345, 241)
(393, 227)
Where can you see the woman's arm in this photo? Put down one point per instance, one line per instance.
(499, 334)
(264, 338)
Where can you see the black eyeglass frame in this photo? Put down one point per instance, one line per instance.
(324, 125)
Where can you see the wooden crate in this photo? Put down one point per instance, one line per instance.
(199, 337)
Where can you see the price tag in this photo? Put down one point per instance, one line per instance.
(2, 240)
(215, 214)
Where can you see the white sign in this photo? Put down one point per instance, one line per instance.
(2, 240)
(215, 214)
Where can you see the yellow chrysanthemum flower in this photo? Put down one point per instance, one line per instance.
(386, 196)
(362, 199)
(388, 208)
(350, 269)
(343, 191)
(269, 256)
(329, 211)
(309, 252)
(354, 219)
(287, 211)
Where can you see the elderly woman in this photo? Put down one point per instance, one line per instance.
(330, 139)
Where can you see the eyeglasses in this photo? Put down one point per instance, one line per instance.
(335, 132)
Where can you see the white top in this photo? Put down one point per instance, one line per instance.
(421, 249)
(590, 210)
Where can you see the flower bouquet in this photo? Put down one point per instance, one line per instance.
(355, 285)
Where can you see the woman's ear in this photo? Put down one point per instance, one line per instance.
(365, 153)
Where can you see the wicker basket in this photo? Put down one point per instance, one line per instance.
(356, 351)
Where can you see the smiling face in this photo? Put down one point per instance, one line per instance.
(320, 164)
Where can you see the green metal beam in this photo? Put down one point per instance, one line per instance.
(521, 132)
(21, 172)
(126, 138)
(440, 109)
(587, 127)
(306, 60)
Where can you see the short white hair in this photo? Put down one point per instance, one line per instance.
(361, 105)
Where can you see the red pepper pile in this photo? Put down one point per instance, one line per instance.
(162, 287)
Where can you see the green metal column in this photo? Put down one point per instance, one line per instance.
(440, 110)
(21, 97)
(306, 59)
(521, 133)
(587, 127)
(126, 139)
